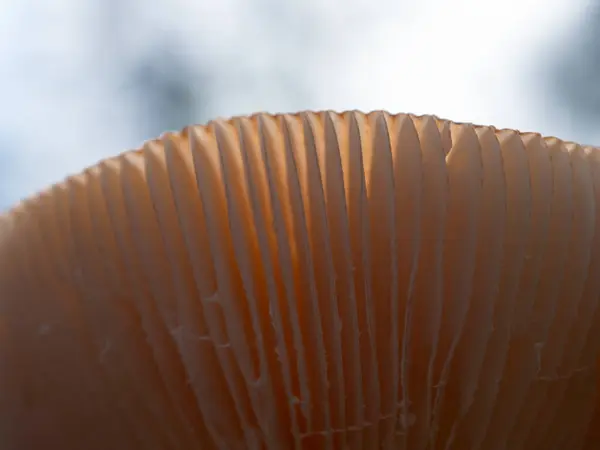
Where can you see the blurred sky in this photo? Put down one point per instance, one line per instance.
(81, 80)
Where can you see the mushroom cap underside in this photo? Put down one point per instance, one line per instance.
(315, 280)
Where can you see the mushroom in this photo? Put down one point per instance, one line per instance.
(316, 280)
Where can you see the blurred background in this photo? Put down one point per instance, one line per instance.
(82, 80)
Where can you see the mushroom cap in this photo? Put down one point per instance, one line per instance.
(316, 280)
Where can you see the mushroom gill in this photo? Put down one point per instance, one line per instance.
(317, 280)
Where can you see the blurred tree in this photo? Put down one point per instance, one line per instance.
(168, 93)
(575, 73)
(165, 90)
